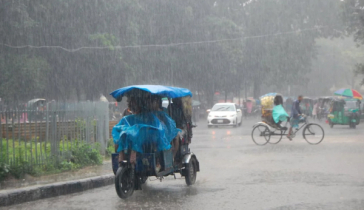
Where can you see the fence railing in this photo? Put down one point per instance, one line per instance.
(40, 135)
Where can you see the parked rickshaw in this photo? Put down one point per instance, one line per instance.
(35, 108)
(155, 157)
(249, 106)
(344, 111)
(267, 131)
(288, 102)
(323, 107)
(306, 106)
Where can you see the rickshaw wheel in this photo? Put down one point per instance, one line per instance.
(124, 183)
(261, 135)
(313, 133)
(191, 174)
(331, 124)
(353, 125)
(275, 139)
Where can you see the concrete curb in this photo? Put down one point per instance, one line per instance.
(22, 195)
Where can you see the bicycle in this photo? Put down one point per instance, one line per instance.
(262, 133)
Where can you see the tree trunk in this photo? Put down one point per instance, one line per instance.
(256, 89)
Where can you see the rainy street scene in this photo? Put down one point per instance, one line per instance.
(182, 104)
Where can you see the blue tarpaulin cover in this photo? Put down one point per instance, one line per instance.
(133, 131)
(164, 91)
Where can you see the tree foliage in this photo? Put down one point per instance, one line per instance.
(229, 45)
(354, 18)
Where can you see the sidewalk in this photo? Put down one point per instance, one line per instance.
(30, 188)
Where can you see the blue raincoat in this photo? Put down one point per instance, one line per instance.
(134, 131)
(279, 114)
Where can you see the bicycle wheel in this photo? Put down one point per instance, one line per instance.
(313, 133)
(276, 137)
(261, 135)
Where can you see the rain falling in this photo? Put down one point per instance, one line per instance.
(256, 104)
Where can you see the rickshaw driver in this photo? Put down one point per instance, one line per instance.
(179, 117)
(295, 115)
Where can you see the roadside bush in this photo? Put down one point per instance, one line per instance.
(75, 155)
(4, 170)
(110, 147)
(85, 154)
(67, 166)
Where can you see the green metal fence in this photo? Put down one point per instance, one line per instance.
(50, 132)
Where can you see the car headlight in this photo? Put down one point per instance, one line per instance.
(234, 115)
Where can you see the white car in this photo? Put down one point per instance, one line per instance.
(225, 114)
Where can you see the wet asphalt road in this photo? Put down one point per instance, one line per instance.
(237, 174)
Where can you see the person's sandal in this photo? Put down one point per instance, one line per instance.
(288, 137)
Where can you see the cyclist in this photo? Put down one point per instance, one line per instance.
(296, 115)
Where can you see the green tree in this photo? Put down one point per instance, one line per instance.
(354, 19)
(23, 77)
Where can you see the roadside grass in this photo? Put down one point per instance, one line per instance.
(35, 158)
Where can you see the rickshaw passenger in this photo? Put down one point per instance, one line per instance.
(177, 116)
(279, 114)
(154, 126)
(131, 109)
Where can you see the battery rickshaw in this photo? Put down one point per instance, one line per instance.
(344, 111)
(323, 107)
(146, 134)
(306, 106)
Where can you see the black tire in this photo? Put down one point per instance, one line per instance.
(190, 173)
(275, 139)
(350, 125)
(331, 124)
(236, 123)
(354, 125)
(313, 133)
(124, 183)
(241, 122)
(143, 179)
(261, 135)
